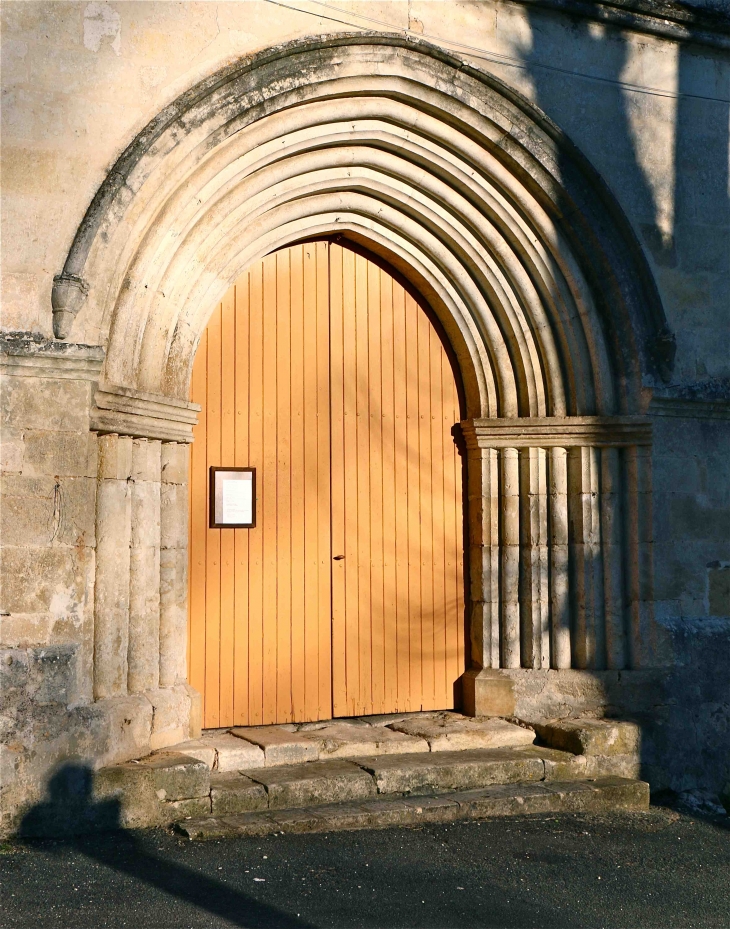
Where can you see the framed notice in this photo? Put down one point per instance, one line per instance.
(232, 498)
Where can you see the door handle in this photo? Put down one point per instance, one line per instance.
(338, 558)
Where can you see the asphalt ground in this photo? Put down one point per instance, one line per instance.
(660, 868)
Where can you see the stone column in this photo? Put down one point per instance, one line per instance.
(586, 558)
(613, 557)
(173, 563)
(510, 547)
(144, 598)
(113, 539)
(534, 562)
(639, 543)
(559, 560)
(483, 513)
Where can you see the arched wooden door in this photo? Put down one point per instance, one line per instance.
(319, 370)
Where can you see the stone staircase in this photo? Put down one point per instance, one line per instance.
(378, 771)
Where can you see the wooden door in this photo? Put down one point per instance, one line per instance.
(320, 371)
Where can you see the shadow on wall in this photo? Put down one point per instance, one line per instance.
(71, 811)
(684, 228)
(683, 221)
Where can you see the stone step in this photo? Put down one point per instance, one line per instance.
(276, 745)
(320, 782)
(599, 795)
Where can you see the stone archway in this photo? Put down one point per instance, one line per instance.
(492, 214)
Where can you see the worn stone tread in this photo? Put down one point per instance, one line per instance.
(316, 782)
(458, 770)
(600, 795)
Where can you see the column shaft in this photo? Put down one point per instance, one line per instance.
(612, 534)
(559, 560)
(144, 599)
(510, 545)
(113, 539)
(173, 563)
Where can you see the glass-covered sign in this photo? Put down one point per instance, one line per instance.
(232, 498)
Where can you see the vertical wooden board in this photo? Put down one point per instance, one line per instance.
(228, 433)
(337, 455)
(198, 520)
(414, 503)
(268, 484)
(352, 574)
(389, 525)
(256, 458)
(425, 333)
(241, 457)
(401, 499)
(452, 535)
(439, 449)
(362, 504)
(298, 500)
(324, 552)
(211, 703)
(375, 508)
(283, 488)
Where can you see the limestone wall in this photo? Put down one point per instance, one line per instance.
(80, 80)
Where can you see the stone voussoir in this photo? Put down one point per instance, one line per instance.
(600, 795)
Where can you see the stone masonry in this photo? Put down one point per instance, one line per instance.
(552, 177)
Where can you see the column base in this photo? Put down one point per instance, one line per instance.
(487, 692)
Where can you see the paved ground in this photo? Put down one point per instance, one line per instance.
(658, 869)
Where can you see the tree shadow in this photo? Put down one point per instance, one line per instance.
(70, 814)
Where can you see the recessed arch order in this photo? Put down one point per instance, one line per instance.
(465, 186)
(502, 225)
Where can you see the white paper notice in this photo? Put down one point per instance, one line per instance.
(237, 501)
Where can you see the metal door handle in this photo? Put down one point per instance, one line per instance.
(338, 558)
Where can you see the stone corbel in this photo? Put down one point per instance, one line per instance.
(67, 298)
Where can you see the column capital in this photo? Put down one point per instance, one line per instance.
(556, 431)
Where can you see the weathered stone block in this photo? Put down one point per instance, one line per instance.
(628, 766)
(559, 766)
(128, 727)
(345, 740)
(45, 404)
(11, 450)
(174, 516)
(52, 674)
(233, 754)
(314, 783)
(279, 747)
(176, 776)
(591, 736)
(131, 787)
(33, 577)
(174, 462)
(197, 748)
(176, 810)
(450, 732)
(451, 770)
(56, 453)
(171, 706)
(232, 792)
(488, 693)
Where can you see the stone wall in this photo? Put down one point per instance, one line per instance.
(80, 80)
(70, 685)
